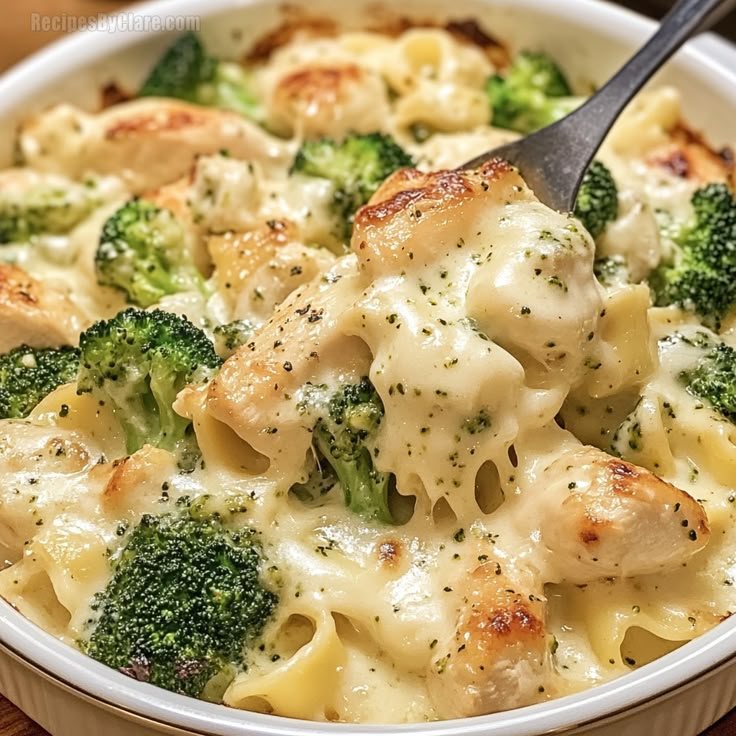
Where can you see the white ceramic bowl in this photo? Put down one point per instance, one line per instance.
(69, 694)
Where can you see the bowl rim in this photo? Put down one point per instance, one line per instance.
(68, 668)
(75, 672)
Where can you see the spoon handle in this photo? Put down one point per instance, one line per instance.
(595, 118)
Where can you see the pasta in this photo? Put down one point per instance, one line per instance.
(562, 505)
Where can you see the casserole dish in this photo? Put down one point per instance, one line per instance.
(73, 71)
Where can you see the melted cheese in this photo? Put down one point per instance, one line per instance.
(529, 565)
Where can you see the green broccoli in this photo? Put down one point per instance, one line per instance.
(700, 274)
(320, 481)
(184, 604)
(531, 95)
(713, 378)
(187, 72)
(612, 270)
(597, 201)
(143, 253)
(45, 208)
(347, 423)
(28, 374)
(231, 336)
(628, 439)
(356, 167)
(137, 362)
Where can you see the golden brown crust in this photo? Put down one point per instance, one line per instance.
(155, 123)
(498, 655)
(390, 553)
(410, 207)
(34, 314)
(498, 616)
(328, 99)
(384, 20)
(297, 22)
(147, 141)
(316, 85)
(113, 94)
(689, 156)
(469, 31)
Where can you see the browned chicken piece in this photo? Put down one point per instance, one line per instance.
(398, 228)
(328, 100)
(497, 657)
(257, 270)
(605, 517)
(601, 517)
(148, 142)
(690, 157)
(34, 314)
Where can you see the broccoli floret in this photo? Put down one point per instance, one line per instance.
(184, 603)
(347, 423)
(187, 72)
(700, 274)
(713, 379)
(320, 481)
(28, 374)
(137, 362)
(143, 253)
(612, 270)
(231, 336)
(531, 95)
(356, 167)
(628, 439)
(45, 208)
(597, 201)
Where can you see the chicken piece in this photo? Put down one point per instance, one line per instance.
(605, 517)
(397, 230)
(258, 269)
(32, 313)
(688, 156)
(148, 142)
(497, 657)
(330, 101)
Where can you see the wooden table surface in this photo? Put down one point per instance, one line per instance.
(17, 40)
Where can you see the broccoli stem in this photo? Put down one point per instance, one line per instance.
(364, 487)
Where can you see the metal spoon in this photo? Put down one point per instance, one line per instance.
(553, 160)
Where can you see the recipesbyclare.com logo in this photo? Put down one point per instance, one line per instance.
(113, 23)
